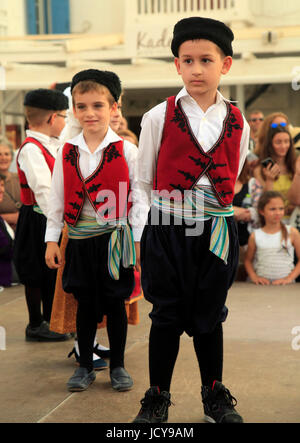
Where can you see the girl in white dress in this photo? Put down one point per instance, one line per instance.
(271, 249)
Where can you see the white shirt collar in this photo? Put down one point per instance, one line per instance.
(110, 137)
(43, 138)
(184, 94)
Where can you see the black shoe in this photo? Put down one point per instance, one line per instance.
(219, 404)
(81, 380)
(43, 333)
(102, 353)
(99, 364)
(120, 379)
(154, 408)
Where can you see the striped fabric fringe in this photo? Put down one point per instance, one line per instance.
(200, 205)
(120, 246)
(37, 209)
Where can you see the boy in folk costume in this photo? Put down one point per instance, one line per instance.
(45, 111)
(192, 148)
(93, 181)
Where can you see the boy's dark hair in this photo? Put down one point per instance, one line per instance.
(194, 28)
(104, 78)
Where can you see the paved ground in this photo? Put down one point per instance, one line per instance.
(261, 366)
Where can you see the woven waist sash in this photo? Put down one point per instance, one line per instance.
(200, 205)
(120, 246)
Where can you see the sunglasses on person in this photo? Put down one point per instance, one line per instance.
(275, 125)
(259, 119)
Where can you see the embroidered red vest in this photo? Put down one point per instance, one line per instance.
(182, 161)
(27, 195)
(107, 188)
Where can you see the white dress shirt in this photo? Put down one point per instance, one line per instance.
(206, 126)
(88, 163)
(33, 164)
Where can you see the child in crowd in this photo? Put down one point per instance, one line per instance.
(195, 145)
(45, 111)
(90, 170)
(270, 254)
(6, 245)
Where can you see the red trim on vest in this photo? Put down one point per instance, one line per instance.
(27, 195)
(107, 188)
(182, 161)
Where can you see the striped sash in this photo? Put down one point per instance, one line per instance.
(201, 205)
(120, 246)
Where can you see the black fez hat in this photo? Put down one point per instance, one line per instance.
(105, 78)
(198, 27)
(49, 99)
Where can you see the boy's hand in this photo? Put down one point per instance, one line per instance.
(138, 256)
(53, 256)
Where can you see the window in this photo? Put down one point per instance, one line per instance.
(48, 16)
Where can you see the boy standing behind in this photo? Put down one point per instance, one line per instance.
(45, 112)
(192, 148)
(93, 180)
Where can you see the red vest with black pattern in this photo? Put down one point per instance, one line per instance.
(182, 161)
(27, 195)
(107, 188)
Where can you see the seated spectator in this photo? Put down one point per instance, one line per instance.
(244, 214)
(294, 192)
(277, 165)
(126, 134)
(255, 121)
(6, 246)
(11, 202)
(270, 254)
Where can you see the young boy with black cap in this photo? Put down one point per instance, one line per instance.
(45, 111)
(191, 150)
(93, 190)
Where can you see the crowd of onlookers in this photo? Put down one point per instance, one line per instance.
(273, 164)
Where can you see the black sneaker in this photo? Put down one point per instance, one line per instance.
(154, 408)
(43, 333)
(219, 404)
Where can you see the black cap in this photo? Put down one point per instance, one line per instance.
(48, 99)
(197, 27)
(105, 78)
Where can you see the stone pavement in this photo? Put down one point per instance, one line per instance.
(261, 366)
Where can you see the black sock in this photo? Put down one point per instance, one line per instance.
(86, 326)
(209, 351)
(33, 300)
(117, 332)
(163, 351)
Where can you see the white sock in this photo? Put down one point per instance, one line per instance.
(95, 357)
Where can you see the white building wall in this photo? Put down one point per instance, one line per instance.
(12, 18)
(97, 16)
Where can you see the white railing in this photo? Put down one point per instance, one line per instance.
(225, 10)
(145, 7)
